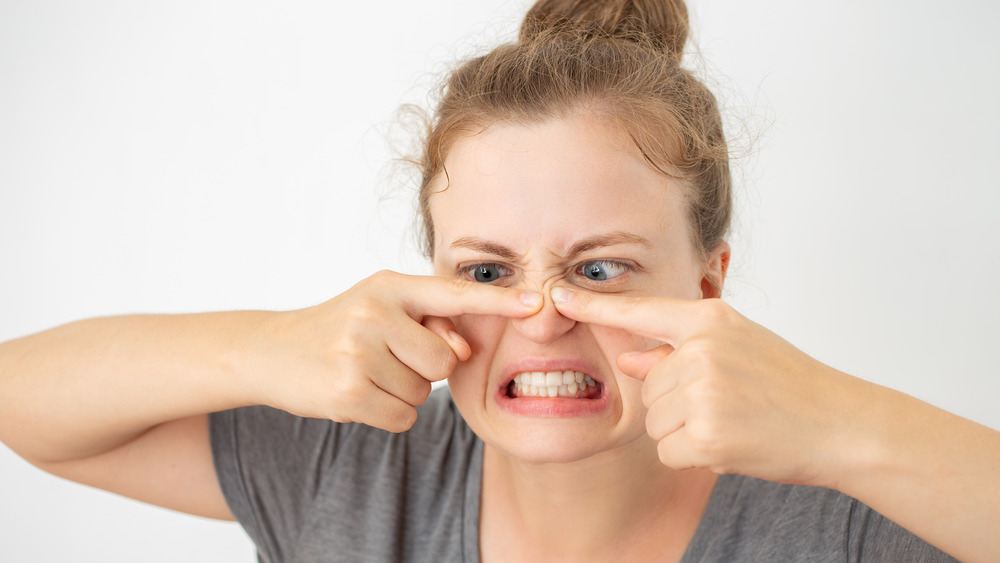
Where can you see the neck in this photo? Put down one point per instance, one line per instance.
(617, 503)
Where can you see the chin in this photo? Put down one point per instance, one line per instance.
(551, 440)
(551, 445)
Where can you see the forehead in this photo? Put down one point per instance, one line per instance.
(554, 182)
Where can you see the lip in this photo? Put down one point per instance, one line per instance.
(550, 407)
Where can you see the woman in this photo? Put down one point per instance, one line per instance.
(601, 387)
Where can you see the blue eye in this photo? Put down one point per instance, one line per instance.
(487, 273)
(600, 270)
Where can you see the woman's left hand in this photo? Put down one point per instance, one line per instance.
(727, 394)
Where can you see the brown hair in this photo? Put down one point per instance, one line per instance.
(619, 59)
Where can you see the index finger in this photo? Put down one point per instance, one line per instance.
(447, 297)
(665, 319)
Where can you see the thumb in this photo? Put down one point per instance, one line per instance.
(445, 328)
(638, 364)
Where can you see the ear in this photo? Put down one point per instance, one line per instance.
(715, 271)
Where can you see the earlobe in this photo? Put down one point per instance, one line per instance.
(716, 267)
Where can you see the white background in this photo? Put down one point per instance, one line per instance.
(205, 155)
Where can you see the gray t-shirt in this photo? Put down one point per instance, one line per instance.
(309, 490)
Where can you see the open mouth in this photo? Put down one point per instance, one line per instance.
(566, 384)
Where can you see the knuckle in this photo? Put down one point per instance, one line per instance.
(648, 396)
(690, 360)
(706, 443)
(366, 311)
(458, 286)
(350, 390)
(384, 277)
(699, 355)
(423, 391)
(378, 282)
(445, 363)
(718, 311)
(668, 455)
(400, 420)
(347, 354)
(653, 427)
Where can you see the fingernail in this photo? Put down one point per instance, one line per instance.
(561, 294)
(456, 337)
(531, 299)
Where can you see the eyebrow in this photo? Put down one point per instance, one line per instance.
(609, 239)
(486, 247)
(579, 247)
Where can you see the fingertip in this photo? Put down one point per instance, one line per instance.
(459, 346)
(637, 363)
(531, 300)
(561, 295)
(407, 421)
(629, 363)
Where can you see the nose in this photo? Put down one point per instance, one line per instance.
(545, 326)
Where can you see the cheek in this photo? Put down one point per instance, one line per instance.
(613, 342)
(470, 379)
(482, 332)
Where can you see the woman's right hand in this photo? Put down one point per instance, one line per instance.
(370, 354)
(105, 401)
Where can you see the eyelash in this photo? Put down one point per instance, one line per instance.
(468, 271)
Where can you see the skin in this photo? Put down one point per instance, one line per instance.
(574, 192)
(713, 391)
(691, 388)
(120, 403)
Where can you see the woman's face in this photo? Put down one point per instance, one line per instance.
(566, 202)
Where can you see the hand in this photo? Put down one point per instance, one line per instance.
(370, 354)
(725, 393)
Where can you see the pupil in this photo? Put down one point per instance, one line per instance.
(485, 273)
(595, 272)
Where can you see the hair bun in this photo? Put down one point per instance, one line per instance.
(662, 24)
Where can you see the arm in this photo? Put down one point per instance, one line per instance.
(121, 403)
(727, 394)
(932, 472)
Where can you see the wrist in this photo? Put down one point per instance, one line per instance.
(249, 355)
(874, 448)
(856, 444)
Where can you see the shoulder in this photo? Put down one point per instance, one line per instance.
(304, 486)
(750, 519)
(276, 441)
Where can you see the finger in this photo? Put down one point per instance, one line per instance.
(423, 350)
(666, 415)
(403, 383)
(663, 318)
(382, 410)
(662, 379)
(676, 452)
(444, 297)
(445, 329)
(638, 364)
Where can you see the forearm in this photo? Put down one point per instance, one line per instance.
(87, 387)
(934, 473)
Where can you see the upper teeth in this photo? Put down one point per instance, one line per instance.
(552, 383)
